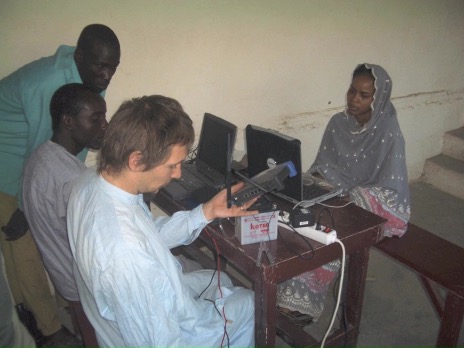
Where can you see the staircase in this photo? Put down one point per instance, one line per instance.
(446, 170)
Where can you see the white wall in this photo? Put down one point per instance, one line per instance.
(280, 64)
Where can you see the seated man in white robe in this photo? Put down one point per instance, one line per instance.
(132, 288)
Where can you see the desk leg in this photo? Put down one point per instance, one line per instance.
(356, 283)
(265, 312)
(450, 325)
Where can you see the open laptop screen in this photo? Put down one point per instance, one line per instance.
(212, 145)
(266, 148)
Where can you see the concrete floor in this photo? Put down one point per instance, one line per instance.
(396, 310)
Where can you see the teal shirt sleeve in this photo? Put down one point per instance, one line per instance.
(25, 119)
(38, 86)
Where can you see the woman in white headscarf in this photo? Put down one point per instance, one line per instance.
(363, 152)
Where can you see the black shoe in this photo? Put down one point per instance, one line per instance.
(62, 338)
(296, 317)
(28, 319)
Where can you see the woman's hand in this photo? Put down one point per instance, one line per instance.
(216, 207)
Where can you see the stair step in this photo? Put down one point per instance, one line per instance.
(446, 174)
(453, 144)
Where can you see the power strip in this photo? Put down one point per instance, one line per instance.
(325, 235)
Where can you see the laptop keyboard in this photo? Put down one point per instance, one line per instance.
(313, 191)
(189, 181)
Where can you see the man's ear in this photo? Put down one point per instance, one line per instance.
(134, 162)
(78, 56)
(67, 121)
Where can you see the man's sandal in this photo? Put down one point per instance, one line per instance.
(296, 317)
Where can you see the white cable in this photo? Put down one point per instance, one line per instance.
(323, 204)
(336, 206)
(342, 274)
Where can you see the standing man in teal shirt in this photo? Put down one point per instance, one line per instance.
(25, 123)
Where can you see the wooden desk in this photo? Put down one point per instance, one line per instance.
(356, 228)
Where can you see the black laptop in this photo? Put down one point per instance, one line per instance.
(267, 148)
(206, 174)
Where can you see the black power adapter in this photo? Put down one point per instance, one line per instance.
(301, 217)
(264, 205)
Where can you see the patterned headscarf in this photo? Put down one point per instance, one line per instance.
(370, 156)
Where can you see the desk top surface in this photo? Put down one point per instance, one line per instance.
(356, 229)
